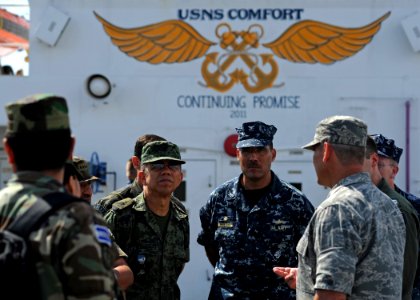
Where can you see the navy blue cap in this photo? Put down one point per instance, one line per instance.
(386, 147)
(255, 134)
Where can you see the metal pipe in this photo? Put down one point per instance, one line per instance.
(407, 145)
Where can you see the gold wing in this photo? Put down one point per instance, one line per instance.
(316, 42)
(172, 41)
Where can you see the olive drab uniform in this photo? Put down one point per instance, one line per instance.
(412, 235)
(75, 253)
(415, 202)
(354, 244)
(386, 147)
(129, 191)
(251, 240)
(156, 260)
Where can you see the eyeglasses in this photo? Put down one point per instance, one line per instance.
(256, 150)
(162, 165)
(386, 165)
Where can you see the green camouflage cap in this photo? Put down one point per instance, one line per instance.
(160, 150)
(37, 113)
(71, 169)
(343, 130)
(82, 167)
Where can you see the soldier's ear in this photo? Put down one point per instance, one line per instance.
(327, 151)
(9, 152)
(136, 162)
(142, 176)
(395, 169)
(274, 154)
(375, 159)
(73, 142)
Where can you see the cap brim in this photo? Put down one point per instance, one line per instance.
(311, 145)
(383, 154)
(163, 158)
(93, 178)
(251, 143)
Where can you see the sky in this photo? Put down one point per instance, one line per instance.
(17, 59)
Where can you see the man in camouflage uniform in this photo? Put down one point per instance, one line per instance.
(76, 172)
(73, 250)
(130, 171)
(72, 179)
(253, 223)
(133, 189)
(353, 248)
(153, 228)
(409, 214)
(86, 178)
(389, 158)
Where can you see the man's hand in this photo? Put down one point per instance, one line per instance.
(288, 274)
(123, 273)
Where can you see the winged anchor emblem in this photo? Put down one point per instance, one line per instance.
(175, 41)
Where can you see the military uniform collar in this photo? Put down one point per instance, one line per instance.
(39, 179)
(354, 178)
(177, 209)
(382, 185)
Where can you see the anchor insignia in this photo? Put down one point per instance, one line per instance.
(229, 40)
(175, 41)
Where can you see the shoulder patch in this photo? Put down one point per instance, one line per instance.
(121, 204)
(103, 235)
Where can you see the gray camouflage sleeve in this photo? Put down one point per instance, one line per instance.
(336, 244)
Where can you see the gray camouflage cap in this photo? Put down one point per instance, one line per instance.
(37, 113)
(343, 130)
(160, 150)
(255, 134)
(386, 147)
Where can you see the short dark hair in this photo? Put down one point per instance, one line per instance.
(370, 147)
(349, 155)
(39, 151)
(143, 140)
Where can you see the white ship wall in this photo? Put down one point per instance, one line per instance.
(380, 84)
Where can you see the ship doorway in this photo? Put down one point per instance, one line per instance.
(200, 181)
(301, 174)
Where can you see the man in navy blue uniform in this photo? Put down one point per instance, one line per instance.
(253, 222)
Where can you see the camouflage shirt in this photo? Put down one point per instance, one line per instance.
(354, 244)
(251, 240)
(75, 251)
(156, 260)
(131, 190)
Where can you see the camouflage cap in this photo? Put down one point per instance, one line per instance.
(82, 167)
(255, 134)
(71, 169)
(37, 113)
(386, 147)
(160, 150)
(342, 130)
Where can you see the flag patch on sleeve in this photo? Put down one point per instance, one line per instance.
(103, 235)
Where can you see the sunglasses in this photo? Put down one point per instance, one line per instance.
(159, 166)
